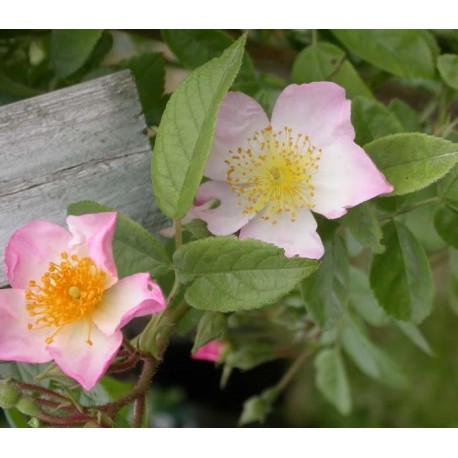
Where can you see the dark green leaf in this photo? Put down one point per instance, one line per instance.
(135, 249)
(331, 379)
(412, 161)
(186, 131)
(195, 47)
(326, 62)
(446, 224)
(364, 227)
(149, 74)
(257, 408)
(250, 356)
(415, 336)
(401, 276)
(406, 115)
(198, 229)
(71, 49)
(211, 326)
(372, 120)
(448, 69)
(406, 53)
(326, 292)
(231, 274)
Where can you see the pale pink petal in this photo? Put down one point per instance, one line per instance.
(212, 351)
(17, 342)
(345, 178)
(296, 238)
(93, 237)
(228, 217)
(31, 249)
(136, 295)
(78, 359)
(238, 119)
(317, 110)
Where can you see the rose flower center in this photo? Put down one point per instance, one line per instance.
(68, 291)
(274, 173)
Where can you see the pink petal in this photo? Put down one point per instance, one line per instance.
(31, 249)
(93, 237)
(239, 117)
(84, 362)
(345, 178)
(17, 342)
(318, 110)
(136, 295)
(298, 238)
(211, 351)
(228, 217)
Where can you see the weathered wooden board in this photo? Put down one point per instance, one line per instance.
(83, 142)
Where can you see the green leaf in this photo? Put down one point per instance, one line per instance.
(71, 49)
(195, 47)
(16, 419)
(448, 69)
(363, 300)
(257, 408)
(149, 74)
(231, 274)
(250, 356)
(135, 249)
(406, 53)
(446, 224)
(211, 326)
(326, 292)
(326, 62)
(415, 336)
(412, 161)
(364, 227)
(371, 360)
(185, 134)
(448, 186)
(331, 379)
(401, 276)
(405, 114)
(372, 120)
(198, 229)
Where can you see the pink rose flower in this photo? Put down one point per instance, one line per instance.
(213, 351)
(67, 303)
(269, 176)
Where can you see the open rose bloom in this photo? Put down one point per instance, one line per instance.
(67, 303)
(269, 176)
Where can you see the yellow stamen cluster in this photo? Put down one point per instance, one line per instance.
(274, 173)
(69, 291)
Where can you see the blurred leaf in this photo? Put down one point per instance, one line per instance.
(16, 419)
(250, 355)
(447, 187)
(135, 249)
(211, 326)
(448, 69)
(406, 53)
(446, 223)
(198, 229)
(364, 227)
(185, 134)
(331, 379)
(401, 276)
(231, 274)
(196, 47)
(149, 73)
(257, 408)
(326, 292)
(412, 161)
(189, 321)
(363, 300)
(372, 120)
(370, 359)
(405, 114)
(15, 89)
(71, 49)
(415, 336)
(326, 62)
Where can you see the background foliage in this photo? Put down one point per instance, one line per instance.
(378, 317)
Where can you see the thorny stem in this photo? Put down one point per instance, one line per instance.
(139, 408)
(45, 391)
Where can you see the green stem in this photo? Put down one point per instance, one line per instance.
(314, 37)
(424, 203)
(293, 370)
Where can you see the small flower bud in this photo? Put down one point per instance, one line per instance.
(10, 393)
(34, 422)
(27, 406)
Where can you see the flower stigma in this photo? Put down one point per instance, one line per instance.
(274, 175)
(69, 291)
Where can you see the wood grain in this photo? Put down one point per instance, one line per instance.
(86, 142)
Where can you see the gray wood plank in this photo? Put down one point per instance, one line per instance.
(83, 142)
